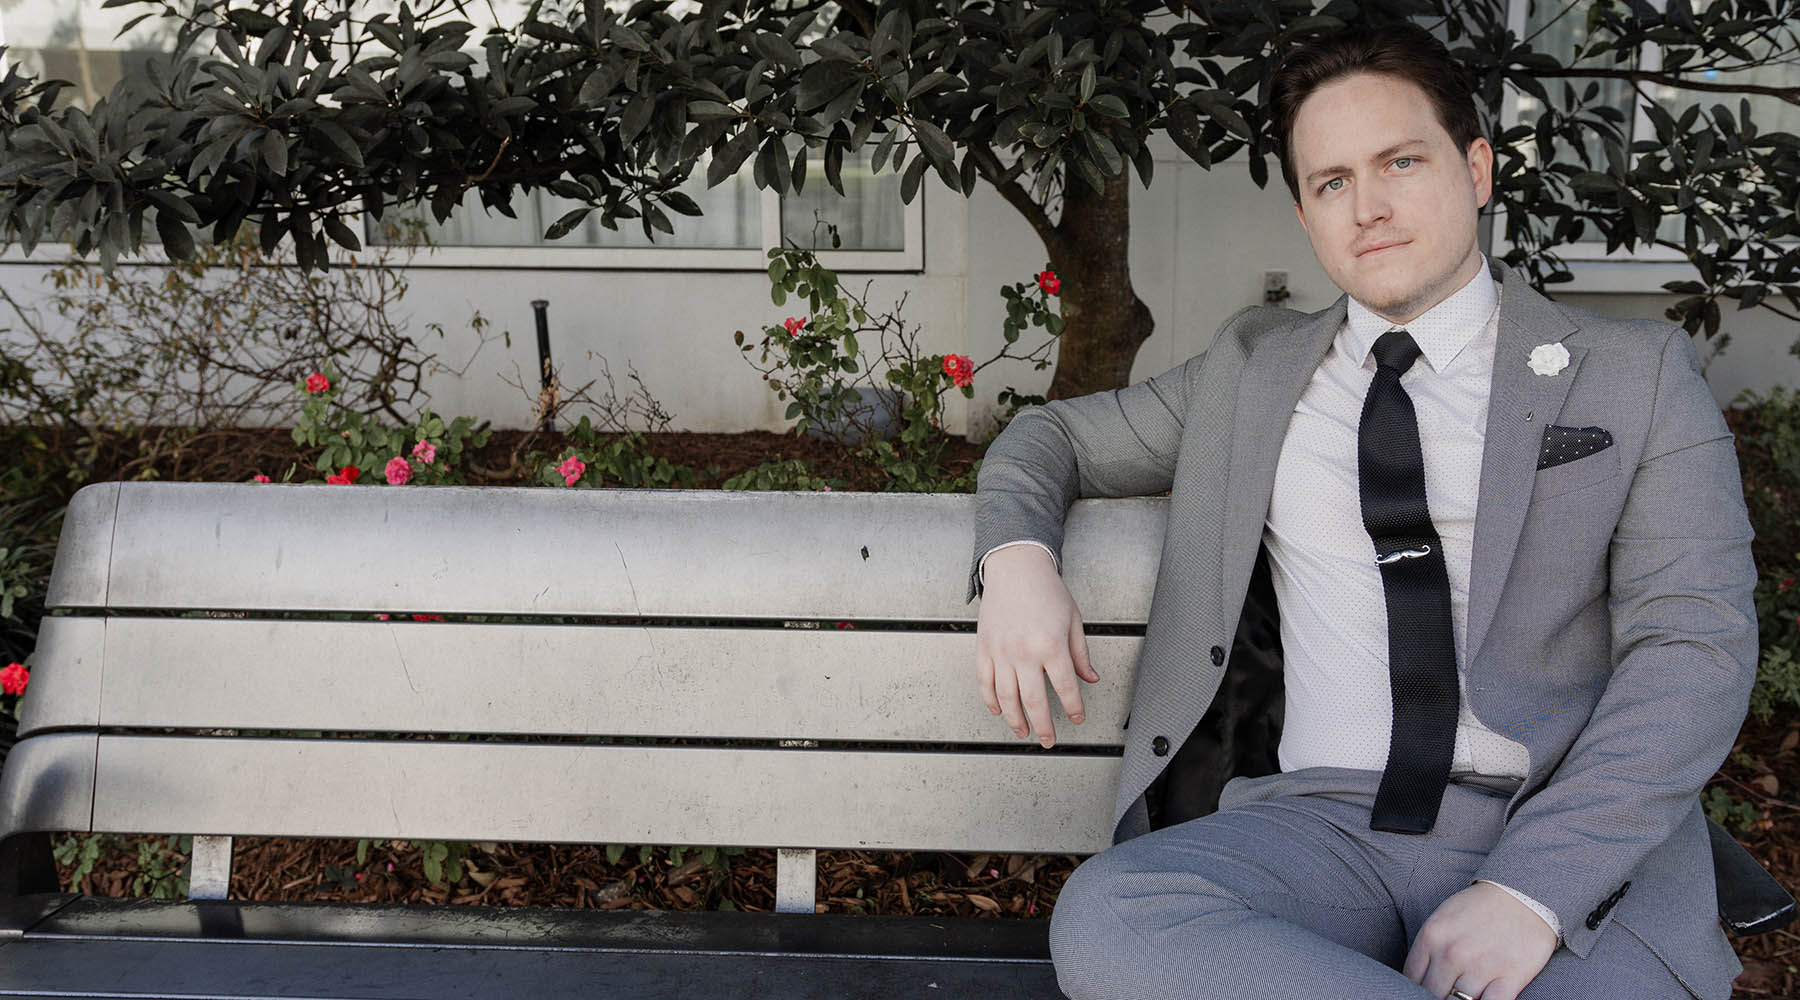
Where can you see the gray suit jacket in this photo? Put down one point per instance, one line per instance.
(1611, 627)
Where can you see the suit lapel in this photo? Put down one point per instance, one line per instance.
(1520, 404)
(1276, 372)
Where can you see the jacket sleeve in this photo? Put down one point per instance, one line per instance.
(1684, 647)
(1116, 443)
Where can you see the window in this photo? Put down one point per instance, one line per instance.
(1559, 27)
(77, 42)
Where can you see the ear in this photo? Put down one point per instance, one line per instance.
(1300, 213)
(1481, 170)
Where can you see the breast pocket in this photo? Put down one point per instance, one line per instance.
(1577, 475)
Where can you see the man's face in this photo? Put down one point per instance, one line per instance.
(1386, 198)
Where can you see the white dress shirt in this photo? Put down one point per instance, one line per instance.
(1322, 562)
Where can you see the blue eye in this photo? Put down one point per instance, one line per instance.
(1403, 162)
(1327, 186)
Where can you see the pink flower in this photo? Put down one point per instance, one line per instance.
(428, 618)
(1049, 282)
(571, 470)
(344, 476)
(793, 325)
(13, 678)
(425, 451)
(259, 478)
(317, 383)
(381, 616)
(960, 369)
(399, 471)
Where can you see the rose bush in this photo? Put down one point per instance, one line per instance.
(588, 462)
(424, 452)
(818, 361)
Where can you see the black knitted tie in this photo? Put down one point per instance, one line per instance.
(1421, 652)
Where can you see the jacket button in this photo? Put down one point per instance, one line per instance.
(1218, 656)
(1160, 746)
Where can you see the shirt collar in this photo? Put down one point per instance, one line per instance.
(1441, 331)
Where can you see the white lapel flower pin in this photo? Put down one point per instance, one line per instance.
(1548, 359)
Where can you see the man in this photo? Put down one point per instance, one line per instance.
(1510, 553)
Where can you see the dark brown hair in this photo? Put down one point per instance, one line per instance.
(1403, 50)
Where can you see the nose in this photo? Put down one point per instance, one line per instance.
(1372, 205)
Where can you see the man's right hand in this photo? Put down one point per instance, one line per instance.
(1029, 627)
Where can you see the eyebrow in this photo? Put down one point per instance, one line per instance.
(1378, 157)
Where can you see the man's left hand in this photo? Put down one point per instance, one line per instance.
(1481, 941)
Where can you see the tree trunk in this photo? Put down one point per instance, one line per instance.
(1104, 321)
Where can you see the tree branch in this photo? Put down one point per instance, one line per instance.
(1789, 94)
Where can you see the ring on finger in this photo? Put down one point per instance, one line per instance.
(1459, 995)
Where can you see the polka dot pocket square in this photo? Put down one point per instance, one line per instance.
(1566, 444)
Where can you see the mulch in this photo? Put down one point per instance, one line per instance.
(1763, 769)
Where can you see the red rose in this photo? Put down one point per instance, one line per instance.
(1049, 282)
(960, 369)
(317, 383)
(794, 325)
(13, 678)
(344, 476)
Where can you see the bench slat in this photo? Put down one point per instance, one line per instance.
(522, 550)
(548, 793)
(48, 783)
(413, 677)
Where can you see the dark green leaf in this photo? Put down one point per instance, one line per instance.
(565, 225)
(274, 150)
(726, 161)
(175, 236)
(909, 179)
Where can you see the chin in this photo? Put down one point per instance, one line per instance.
(1387, 298)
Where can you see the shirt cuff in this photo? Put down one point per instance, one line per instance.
(1536, 907)
(981, 570)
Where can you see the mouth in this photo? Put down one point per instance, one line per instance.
(1379, 247)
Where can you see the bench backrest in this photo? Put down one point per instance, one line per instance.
(644, 674)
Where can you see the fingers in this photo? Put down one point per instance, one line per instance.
(984, 682)
(1078, 648)
(1026, 637)
(1006, 689)
(1418, 960)
(1037, 705)
(1062, 678)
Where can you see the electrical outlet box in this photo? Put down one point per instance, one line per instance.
(1275, 286)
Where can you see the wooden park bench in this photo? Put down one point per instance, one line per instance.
(213, 666)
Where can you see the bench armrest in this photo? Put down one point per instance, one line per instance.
(1750, 900)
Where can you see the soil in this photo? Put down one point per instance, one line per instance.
(1763, 770)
